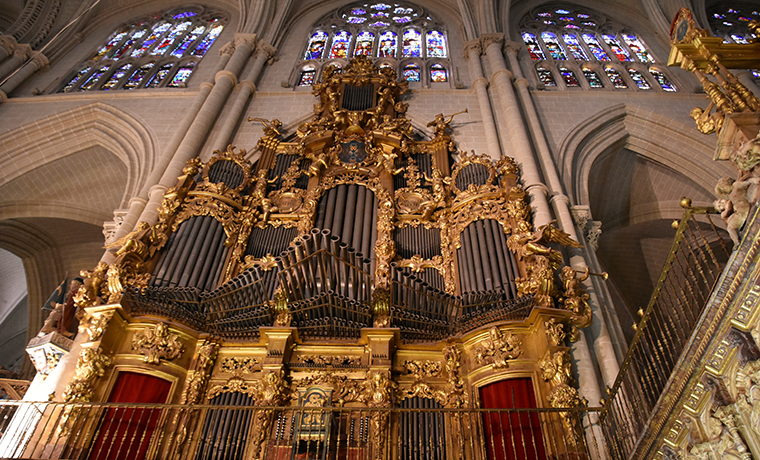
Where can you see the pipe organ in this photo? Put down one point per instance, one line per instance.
(357, 265)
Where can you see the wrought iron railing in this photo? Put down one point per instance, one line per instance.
(47, 430)
(691, 270)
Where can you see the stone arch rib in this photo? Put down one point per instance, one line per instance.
(68, 132)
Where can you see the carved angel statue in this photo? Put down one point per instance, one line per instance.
(441, 124)
(271, 128)
(259, 194)
(735, 198)
(439, 184)
(529, 245)
(143, 242)
(557, 368)
(377, 390)
(576, 299)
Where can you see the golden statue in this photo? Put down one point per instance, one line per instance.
(441, 124)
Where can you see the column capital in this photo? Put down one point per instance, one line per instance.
(511, 47)
(228, 74)
(245, 40)
(40, 60)
(472, 46)
(22, 51)
(228, 49)
(266, 49)
(8, 43)
(491, 39)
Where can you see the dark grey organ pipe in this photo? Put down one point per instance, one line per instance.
(165, 273)
(349, 214)
(360, 232)
(370, 209)
(168, 249)
(332, 195)
(340, 205)
(498, 235)
(200, 259)
(494, 267)
(213, 252)
(185, 251)
(197, 245)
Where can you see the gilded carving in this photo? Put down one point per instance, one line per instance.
(497, 349)
(90, 366)
(555, 332)
(238, 366)
(157, 343)
(575, 298)
(440, 124)
(542, 261)
(324, 361)
(198, 379)
(557, 369)
(97, 324)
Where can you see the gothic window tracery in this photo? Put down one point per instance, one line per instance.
(569, 41)
(161, 50)
(379, 30)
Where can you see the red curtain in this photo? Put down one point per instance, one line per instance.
(126, 433)
(515, 435)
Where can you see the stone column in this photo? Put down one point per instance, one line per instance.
(520, 148)
(472, 51)
(8, 45)
(603, 347)
(38, 62)
(20, 54)
(264, 53)
(203, 122)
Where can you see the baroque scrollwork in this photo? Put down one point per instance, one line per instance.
(557, 369)
(239, 366)
(198, 379)
(498, 349)
(157, 343)
(91, 365)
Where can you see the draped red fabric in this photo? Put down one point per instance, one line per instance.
(125, 434)
(511, 436)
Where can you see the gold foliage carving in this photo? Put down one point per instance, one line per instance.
(198, 379)
(557, 369)
(555, 332)
(238, 366)
(97, 324)
(323, 361)
(157, 343)
(90, 366)
(497, 349)
(575, 298)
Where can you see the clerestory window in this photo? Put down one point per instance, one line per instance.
(577, 48)
(731, 23)
(399, 34)
(158, 51)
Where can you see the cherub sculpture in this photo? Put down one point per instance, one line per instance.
(441, 124)
(271, 128)
(734, 201)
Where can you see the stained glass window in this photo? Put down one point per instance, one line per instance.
(731, 23)
(208, 40)
(388, 44)
(438, 73)
(569, 77)
(411, 72)
(307, 77)
(364, 42)
(134, 80)
(552, 44)
(157, 31)
(316, 45)
(114, 79)
(381, 6)
(593, 78)
(571, 40)
(340, 43)
(379, 14)
(615, 78)
(379, 24)
(596, 49)
(90, 82)
(436, 44)
(411, 43)
(115, 40)
(183, 73)
(159, 76)
(136, 35)
(617, 50)
(546, 77)
(76, 79)
(536, 53)
(168, 41)
(639, 79)
(185, 35)
(355, 20)
(179, 51)
(638, 49)
(663, 81)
